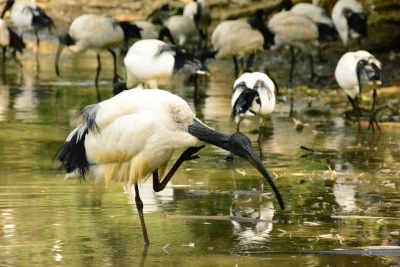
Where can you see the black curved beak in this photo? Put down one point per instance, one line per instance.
(58, 53)
(253, 159)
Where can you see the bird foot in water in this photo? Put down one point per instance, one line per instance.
(229, 158)
(188, 154)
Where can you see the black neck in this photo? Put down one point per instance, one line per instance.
(208, 135)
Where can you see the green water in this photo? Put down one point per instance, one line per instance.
(48, 221)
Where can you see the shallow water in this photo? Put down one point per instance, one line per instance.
(46, 220)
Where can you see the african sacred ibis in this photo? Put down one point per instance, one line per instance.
(354, 71)
(253, 95)
(147, 31)
(133, 136)
(326, 30)
(153, 63)
(27, 16)
(96, 33)
(349, 19)
(296, 31)
(199, 12)
(239, 38)
(9, 38)
(179, 30)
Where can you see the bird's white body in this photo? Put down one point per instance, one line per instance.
(20, 17)
(94, 32)
(313, 12)
(346, 71)
(191, 9)
(340, 20)
(183, 30)
(139, 131)
(143, 66)
(267, 94)
(236, 38)
(4, 34)
(293, 29)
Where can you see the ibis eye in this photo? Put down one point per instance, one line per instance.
(258, 101)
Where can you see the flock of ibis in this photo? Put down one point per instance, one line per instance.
(133, 135)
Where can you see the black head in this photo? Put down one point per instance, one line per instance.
(159, 15)
(258, 23)
(248, 100)
(66, 39)
(287, 4)
(205, 54)
(130, 30)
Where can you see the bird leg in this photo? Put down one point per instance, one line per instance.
(187, 155)
(139, 206)
(250, 61)
(116, 76)
(236, 66)
(293, 62)
(260, 137)
(372, 119)
(96, 81)
(356, 108)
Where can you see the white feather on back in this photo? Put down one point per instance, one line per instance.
(183, 30)
(139, 131)
(21, 17)
(313, 12)
(236, 37)
(293, 29)
(340, 21)
(142, 66)
(346, 71)
(94, 32)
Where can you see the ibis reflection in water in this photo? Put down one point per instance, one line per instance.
(132, 137)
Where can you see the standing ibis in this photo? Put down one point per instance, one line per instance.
(27, 17)
(199, 12)
(96, 33)
(9, 38)
(152, 63)
(253, 95)
(354, 71)
(132, 137)
(350, 21)
(239, 38)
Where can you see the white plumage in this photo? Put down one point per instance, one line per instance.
(240, 38)
(183, 31)
(144, 67)
(296, 31)
(253, 95)
(4, 34)
(199, 12)
(96, 33)
(27, 16)
(154, 63)
(134, 135)
(349, 19)
(355, 70)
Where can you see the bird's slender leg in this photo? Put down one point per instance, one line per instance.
(260, 137)
(144, 255)
(359, 42)
(139, 206)
(4, 57)
(37, 42)
(96, 81)
(236, 66)
(116, 76)
(356, 108)
(250, 61)
(313, 75)
(293, 62)
(372, 119)
(188, 154)
(196, 88)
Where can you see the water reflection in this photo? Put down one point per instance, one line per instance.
(257, 207)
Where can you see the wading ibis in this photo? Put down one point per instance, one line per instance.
(132, 137)
(357, 70)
